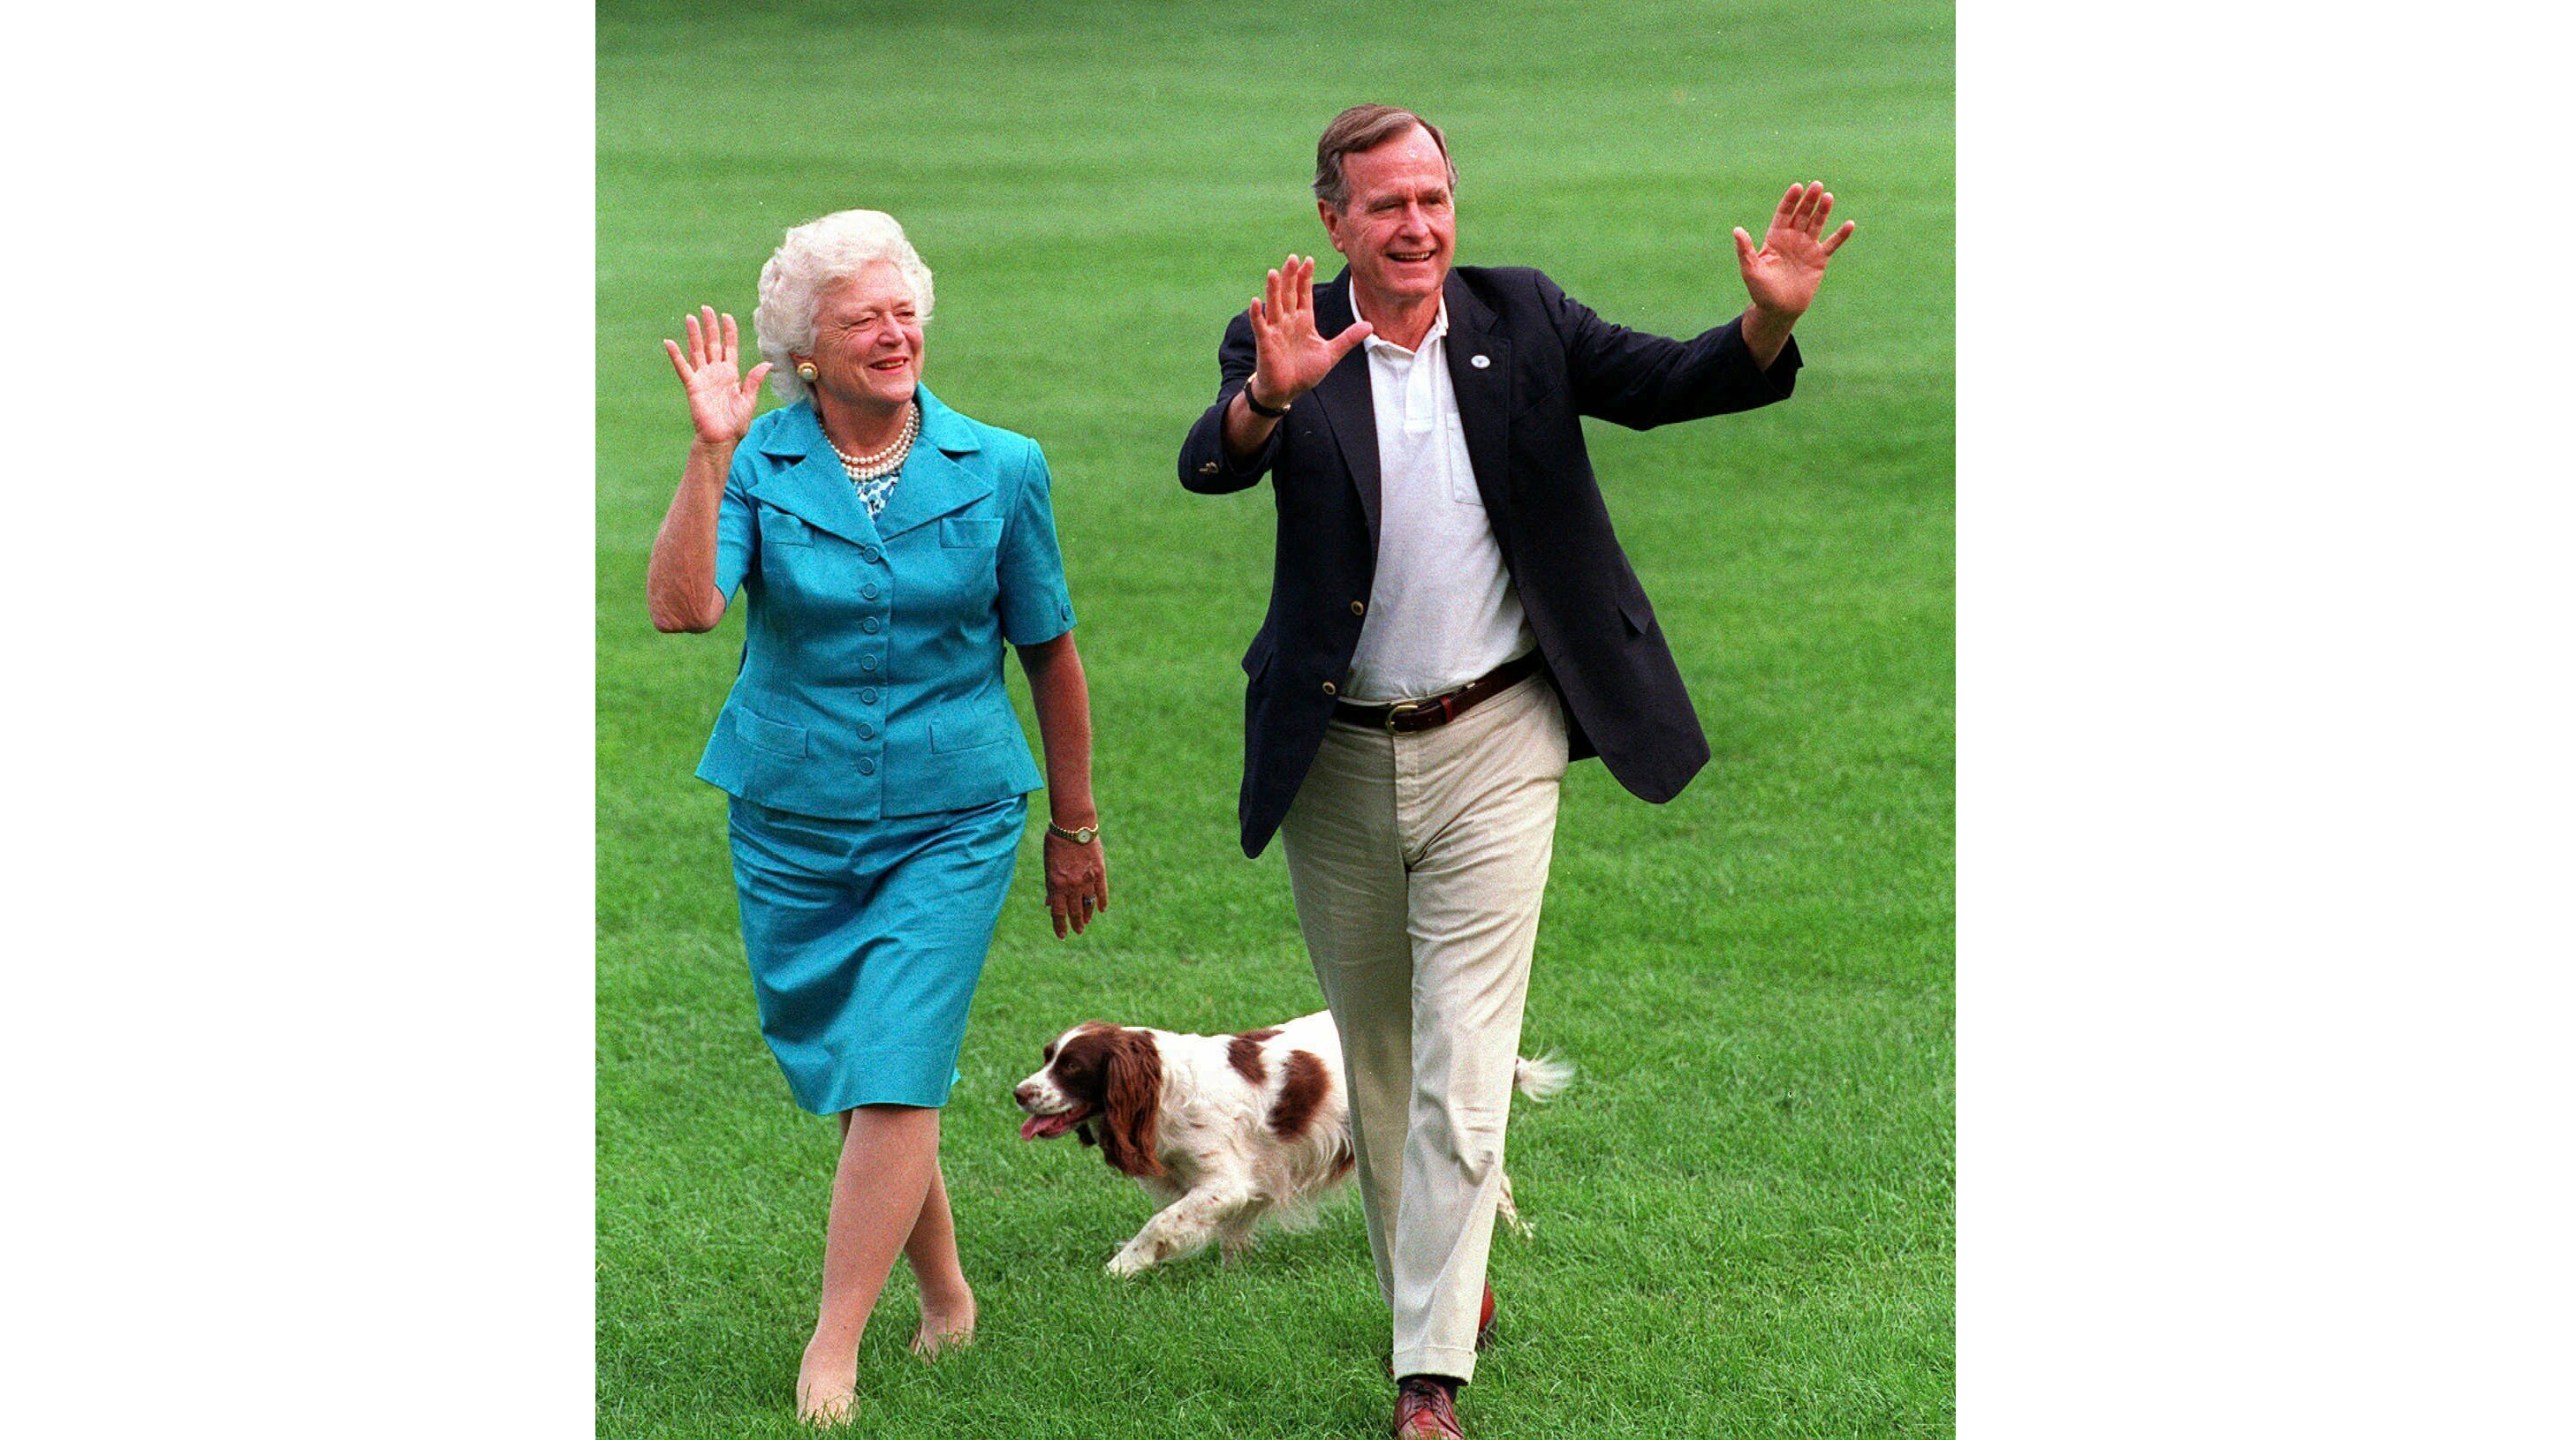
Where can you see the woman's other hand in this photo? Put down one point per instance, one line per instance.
(723, 403)
(1078, 888)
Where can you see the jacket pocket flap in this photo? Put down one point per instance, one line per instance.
(967, 532)
(770, 735)
(966, 734)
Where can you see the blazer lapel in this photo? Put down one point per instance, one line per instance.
(1343, 396)
(815, 489)
(935, 481)
(1480, 377)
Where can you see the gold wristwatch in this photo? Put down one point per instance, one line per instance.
(1082, 834)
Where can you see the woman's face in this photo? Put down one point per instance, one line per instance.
(869, 345)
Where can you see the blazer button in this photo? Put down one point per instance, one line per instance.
(1359, 609)
(870, 696)
(870, 624)
(865, 765)
(1328, 688)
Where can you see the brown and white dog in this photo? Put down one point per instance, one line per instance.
(1223, 1129)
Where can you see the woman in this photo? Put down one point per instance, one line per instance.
(878, 781)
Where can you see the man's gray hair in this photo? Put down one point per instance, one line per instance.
(1365, 127)
(810, 258)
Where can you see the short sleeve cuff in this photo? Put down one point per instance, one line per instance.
(1036, 620)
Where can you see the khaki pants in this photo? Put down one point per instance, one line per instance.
(1419, 862)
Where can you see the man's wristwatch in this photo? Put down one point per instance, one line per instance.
(1257, 407)
(1082, 834)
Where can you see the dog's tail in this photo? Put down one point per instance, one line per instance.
(1541, 1079)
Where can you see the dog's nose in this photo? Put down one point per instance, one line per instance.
(1022, 1094)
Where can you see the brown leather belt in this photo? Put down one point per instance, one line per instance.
(1406, 716)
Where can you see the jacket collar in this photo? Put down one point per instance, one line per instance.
(1343, 394)
(938, 479)
(1479, 360)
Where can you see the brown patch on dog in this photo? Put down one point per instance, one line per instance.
(1080, 1067)
(1118, 1074)
(1258, 1036)
(1245, 1053)
(1129, 1105)
(1302, 1088)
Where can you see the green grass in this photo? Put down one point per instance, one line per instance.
(1745, 1208)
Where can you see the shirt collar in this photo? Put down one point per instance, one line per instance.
(1439, 325)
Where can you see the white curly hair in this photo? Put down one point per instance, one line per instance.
(810, 258)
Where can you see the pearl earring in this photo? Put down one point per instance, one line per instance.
(808, 371)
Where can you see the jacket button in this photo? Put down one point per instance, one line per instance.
(865, 765)
(862, 729)
(870, 592)
(1328, 688)
(1359, 609)
(871, 624)
(870, 662)
(870, 696)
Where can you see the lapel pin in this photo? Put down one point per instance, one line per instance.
(1481, 363)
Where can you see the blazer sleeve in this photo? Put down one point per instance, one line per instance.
(1631, 378)
(1206, 466)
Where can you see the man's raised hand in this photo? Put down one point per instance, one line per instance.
(1783, 271)
(1289, 356)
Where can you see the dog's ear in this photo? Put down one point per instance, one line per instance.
(1129, 1105)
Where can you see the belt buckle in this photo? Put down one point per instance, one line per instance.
(1404, 708)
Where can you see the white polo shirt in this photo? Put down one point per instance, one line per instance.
(1443, 609)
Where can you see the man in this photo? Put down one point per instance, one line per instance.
(1451, 620)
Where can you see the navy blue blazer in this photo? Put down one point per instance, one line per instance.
(1549, 361)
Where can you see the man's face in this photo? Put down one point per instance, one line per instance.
(1398, 225)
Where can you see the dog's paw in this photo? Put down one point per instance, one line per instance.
(1128, 1262)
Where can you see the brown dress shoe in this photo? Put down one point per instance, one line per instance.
(1424, 1411)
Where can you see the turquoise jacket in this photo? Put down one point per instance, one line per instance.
(873, 678)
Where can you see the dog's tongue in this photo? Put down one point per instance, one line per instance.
(1047, 1127)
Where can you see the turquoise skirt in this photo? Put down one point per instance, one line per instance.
(865, 939)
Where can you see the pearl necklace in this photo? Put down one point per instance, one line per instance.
(872, 467)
